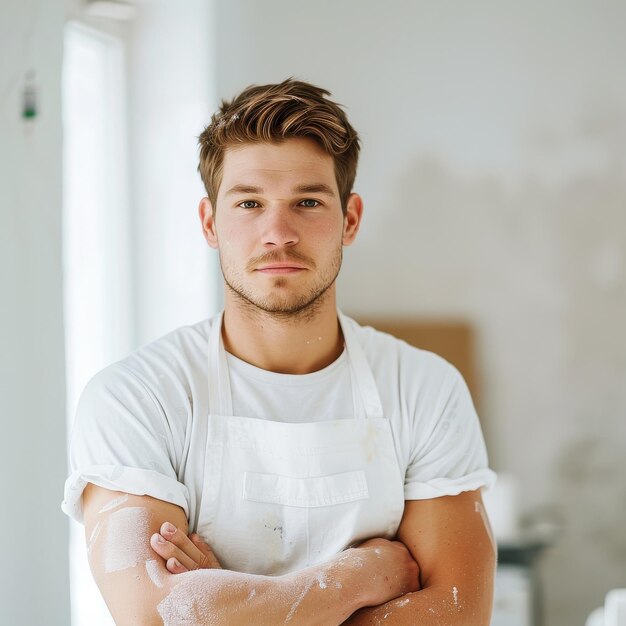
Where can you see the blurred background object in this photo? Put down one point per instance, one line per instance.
(613, 613)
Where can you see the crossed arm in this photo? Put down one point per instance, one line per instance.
(448, 537)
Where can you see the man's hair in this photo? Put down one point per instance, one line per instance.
(274, 113)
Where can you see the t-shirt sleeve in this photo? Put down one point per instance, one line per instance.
(121, 441)
(449, 456)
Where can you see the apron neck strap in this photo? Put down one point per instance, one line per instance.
(220, 396)
(364, 386)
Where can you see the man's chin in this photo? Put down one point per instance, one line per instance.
(283, 307)
(280, 302)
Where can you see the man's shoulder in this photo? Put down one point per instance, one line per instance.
(183, 345)
(173, 360)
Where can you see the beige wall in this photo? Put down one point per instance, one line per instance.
(494, 179)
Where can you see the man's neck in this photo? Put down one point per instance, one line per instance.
(295, 344)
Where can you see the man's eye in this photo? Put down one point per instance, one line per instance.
(248, 204)
(310, 204)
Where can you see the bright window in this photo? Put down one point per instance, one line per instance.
(98, 307)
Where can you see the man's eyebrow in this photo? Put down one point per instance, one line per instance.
(314, 188)
(243, 189)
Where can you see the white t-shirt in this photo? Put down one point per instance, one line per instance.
(133, 426)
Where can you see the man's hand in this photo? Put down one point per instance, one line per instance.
(182, 553)
(392, 570)
(451, 539)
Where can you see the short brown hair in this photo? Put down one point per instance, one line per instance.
(274, 113)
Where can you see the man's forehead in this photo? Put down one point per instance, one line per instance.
(267, 152)
(297, 162)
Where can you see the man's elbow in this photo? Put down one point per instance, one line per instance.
(137, 613)
(459, 601)
(135, 600)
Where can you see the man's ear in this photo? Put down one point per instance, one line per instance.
(205, 210)
(352, 218)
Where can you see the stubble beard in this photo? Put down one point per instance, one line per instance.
(290, 307)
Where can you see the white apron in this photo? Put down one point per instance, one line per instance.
(278, 497)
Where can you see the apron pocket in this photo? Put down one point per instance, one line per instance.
(310, 492)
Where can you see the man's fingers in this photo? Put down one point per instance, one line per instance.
(167, 551)
(182, 553)
(175, 567)
(204, 547)
(185, 545)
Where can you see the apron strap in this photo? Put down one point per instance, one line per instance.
(220, 396)
(363, 383)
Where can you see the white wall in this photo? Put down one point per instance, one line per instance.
(493, 173)
(34, 577)
(171, 69)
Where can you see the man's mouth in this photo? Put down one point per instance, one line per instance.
(280, 268)
(275, 262)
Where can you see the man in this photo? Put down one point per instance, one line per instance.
(327, 473)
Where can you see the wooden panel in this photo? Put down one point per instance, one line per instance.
(453, 340)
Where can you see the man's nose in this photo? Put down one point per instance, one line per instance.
(279, 228)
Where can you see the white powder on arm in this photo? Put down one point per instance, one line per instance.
(317, 595)
(132, 578)
(113, 504)
(126, 544)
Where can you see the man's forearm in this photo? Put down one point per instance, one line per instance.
(428, 607)
(325, 594)
(375, 572)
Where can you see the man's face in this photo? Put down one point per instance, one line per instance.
(279, 226)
